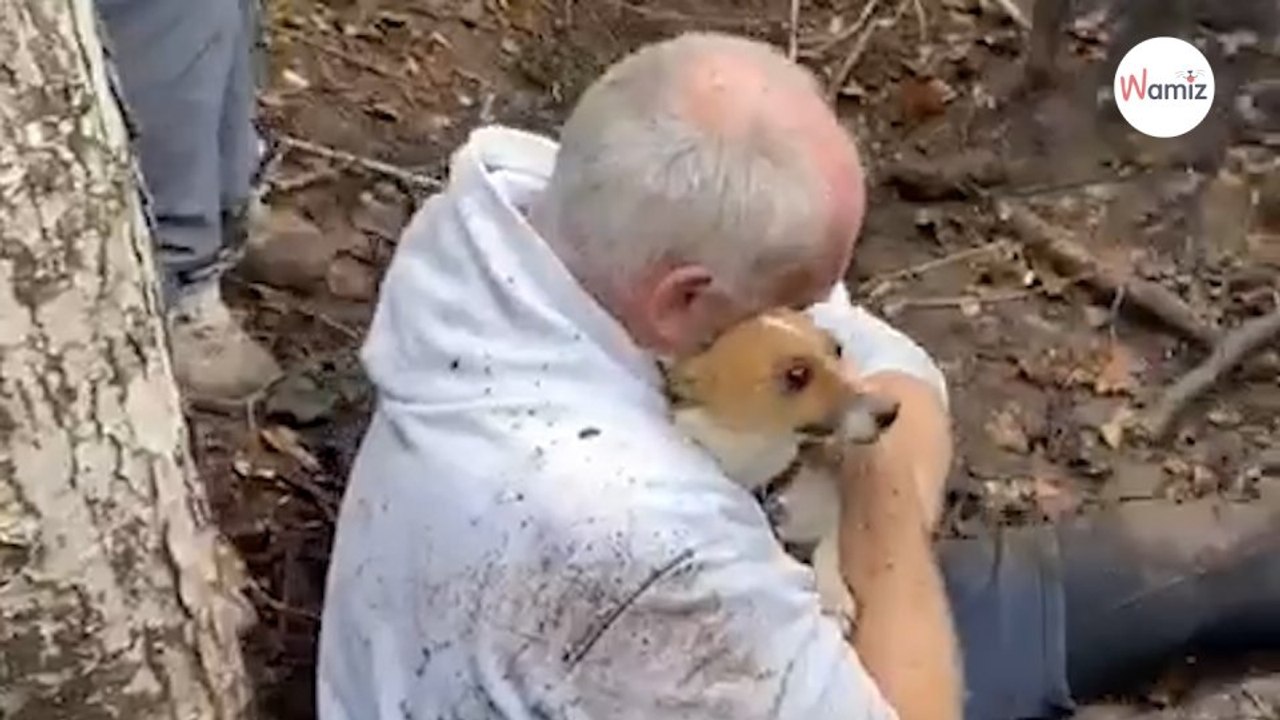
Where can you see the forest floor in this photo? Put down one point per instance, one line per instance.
(1054, 377)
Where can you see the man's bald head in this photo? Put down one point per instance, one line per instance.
(708, 153)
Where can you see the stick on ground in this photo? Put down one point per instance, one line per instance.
(861, 25)
(377, 167)
(1234, 348)
(1074, 260)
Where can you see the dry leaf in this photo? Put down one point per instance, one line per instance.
(1006, 431)
(1116, 376)
(1053, 498)
(923, 99)
(245, 468)
(286, 442)
(294, 79)
(1112, 431)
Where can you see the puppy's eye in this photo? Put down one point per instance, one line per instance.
(797, 378)
(838, 349)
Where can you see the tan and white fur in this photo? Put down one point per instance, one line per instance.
(761, 393)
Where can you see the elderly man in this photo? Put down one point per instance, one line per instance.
(526, 536)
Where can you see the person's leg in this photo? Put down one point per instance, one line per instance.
(243, 151)
(1007, 601)
(1148, 583)
(1049, 616)
(172, 60)
(179, 62)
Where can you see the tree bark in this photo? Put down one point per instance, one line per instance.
(118, 599)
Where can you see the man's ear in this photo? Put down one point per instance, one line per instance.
(675, 311)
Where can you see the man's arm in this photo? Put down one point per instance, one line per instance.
(904, 633)
(891, 498)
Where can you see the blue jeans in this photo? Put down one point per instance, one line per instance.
(186, 76)
(1051, 615)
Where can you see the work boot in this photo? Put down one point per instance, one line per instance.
(213, 357)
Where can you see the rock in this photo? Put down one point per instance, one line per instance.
(350, 279)
(383, 218)
(300, 400)
(290, 253)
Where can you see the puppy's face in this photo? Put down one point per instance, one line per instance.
(778, 373)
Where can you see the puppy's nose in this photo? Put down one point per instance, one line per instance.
(870, 415)
(884, 411)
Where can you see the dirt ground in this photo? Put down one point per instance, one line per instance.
(1053, 374)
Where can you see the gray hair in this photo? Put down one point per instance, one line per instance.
(636, 181)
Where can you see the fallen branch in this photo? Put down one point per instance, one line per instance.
(963, 302)
(377, 167)
(281, 302)
(1227, 354)
(826, 45)
(1074, 260)
(929, 265)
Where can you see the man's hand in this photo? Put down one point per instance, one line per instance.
(891, 500)
(917, 445)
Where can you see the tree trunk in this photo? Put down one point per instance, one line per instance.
(118, 599)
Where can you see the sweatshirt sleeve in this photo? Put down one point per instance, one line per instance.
(873, 344)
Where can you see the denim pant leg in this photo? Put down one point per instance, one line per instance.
(1007, 599)
(184, 67)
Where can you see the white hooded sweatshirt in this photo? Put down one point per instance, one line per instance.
(525, 535)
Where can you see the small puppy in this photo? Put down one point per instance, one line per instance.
(764, 391)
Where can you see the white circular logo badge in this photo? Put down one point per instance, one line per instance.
(1164, 87)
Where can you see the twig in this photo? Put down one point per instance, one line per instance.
(278, 605)
(841, 78)
(1014, 12)
(934, 264)
(710, 20)
(342, 54)
(1227, 354)
(921, 20)
(278, 300)
(1076, 261)
(323, 500)
(793, 41)
(376, 167)
(301, 181)
(848, 32)
(954, 301)
(845, 69)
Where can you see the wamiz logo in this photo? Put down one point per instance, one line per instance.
(1164, 87)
